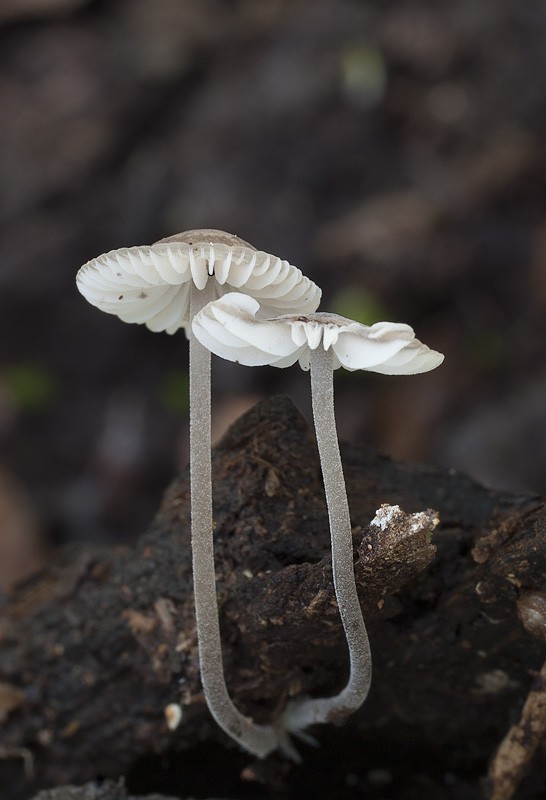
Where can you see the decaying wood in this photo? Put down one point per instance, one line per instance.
(520, 743)
(95, 647)
(101, 790)
(517, 749)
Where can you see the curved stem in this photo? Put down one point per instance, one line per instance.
(333, 709)
(258, 739)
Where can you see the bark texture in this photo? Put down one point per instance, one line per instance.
(98, 644)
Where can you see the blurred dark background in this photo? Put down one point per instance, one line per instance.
(394, 151)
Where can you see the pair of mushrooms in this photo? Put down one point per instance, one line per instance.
(228, 297)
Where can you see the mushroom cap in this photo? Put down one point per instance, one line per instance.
(151, 284)
(229, 327)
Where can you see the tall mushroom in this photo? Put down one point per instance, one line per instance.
(229, 327)
(164, 286)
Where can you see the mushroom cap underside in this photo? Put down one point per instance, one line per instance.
(152, 284)
(230, 328)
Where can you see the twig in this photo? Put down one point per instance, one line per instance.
(520, 743)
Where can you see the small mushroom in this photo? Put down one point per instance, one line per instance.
(163, 286)
(322, 342)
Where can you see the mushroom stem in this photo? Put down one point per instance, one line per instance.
(308, 711)
(258, 739)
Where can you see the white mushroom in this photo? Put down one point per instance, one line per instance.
(163, 286)
(322, 342)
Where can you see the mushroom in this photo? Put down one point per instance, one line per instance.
(229, 327)
(163, 286)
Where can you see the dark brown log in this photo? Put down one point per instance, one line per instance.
(96, 646)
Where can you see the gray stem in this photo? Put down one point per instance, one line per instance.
(258, 739)
(308, 711)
